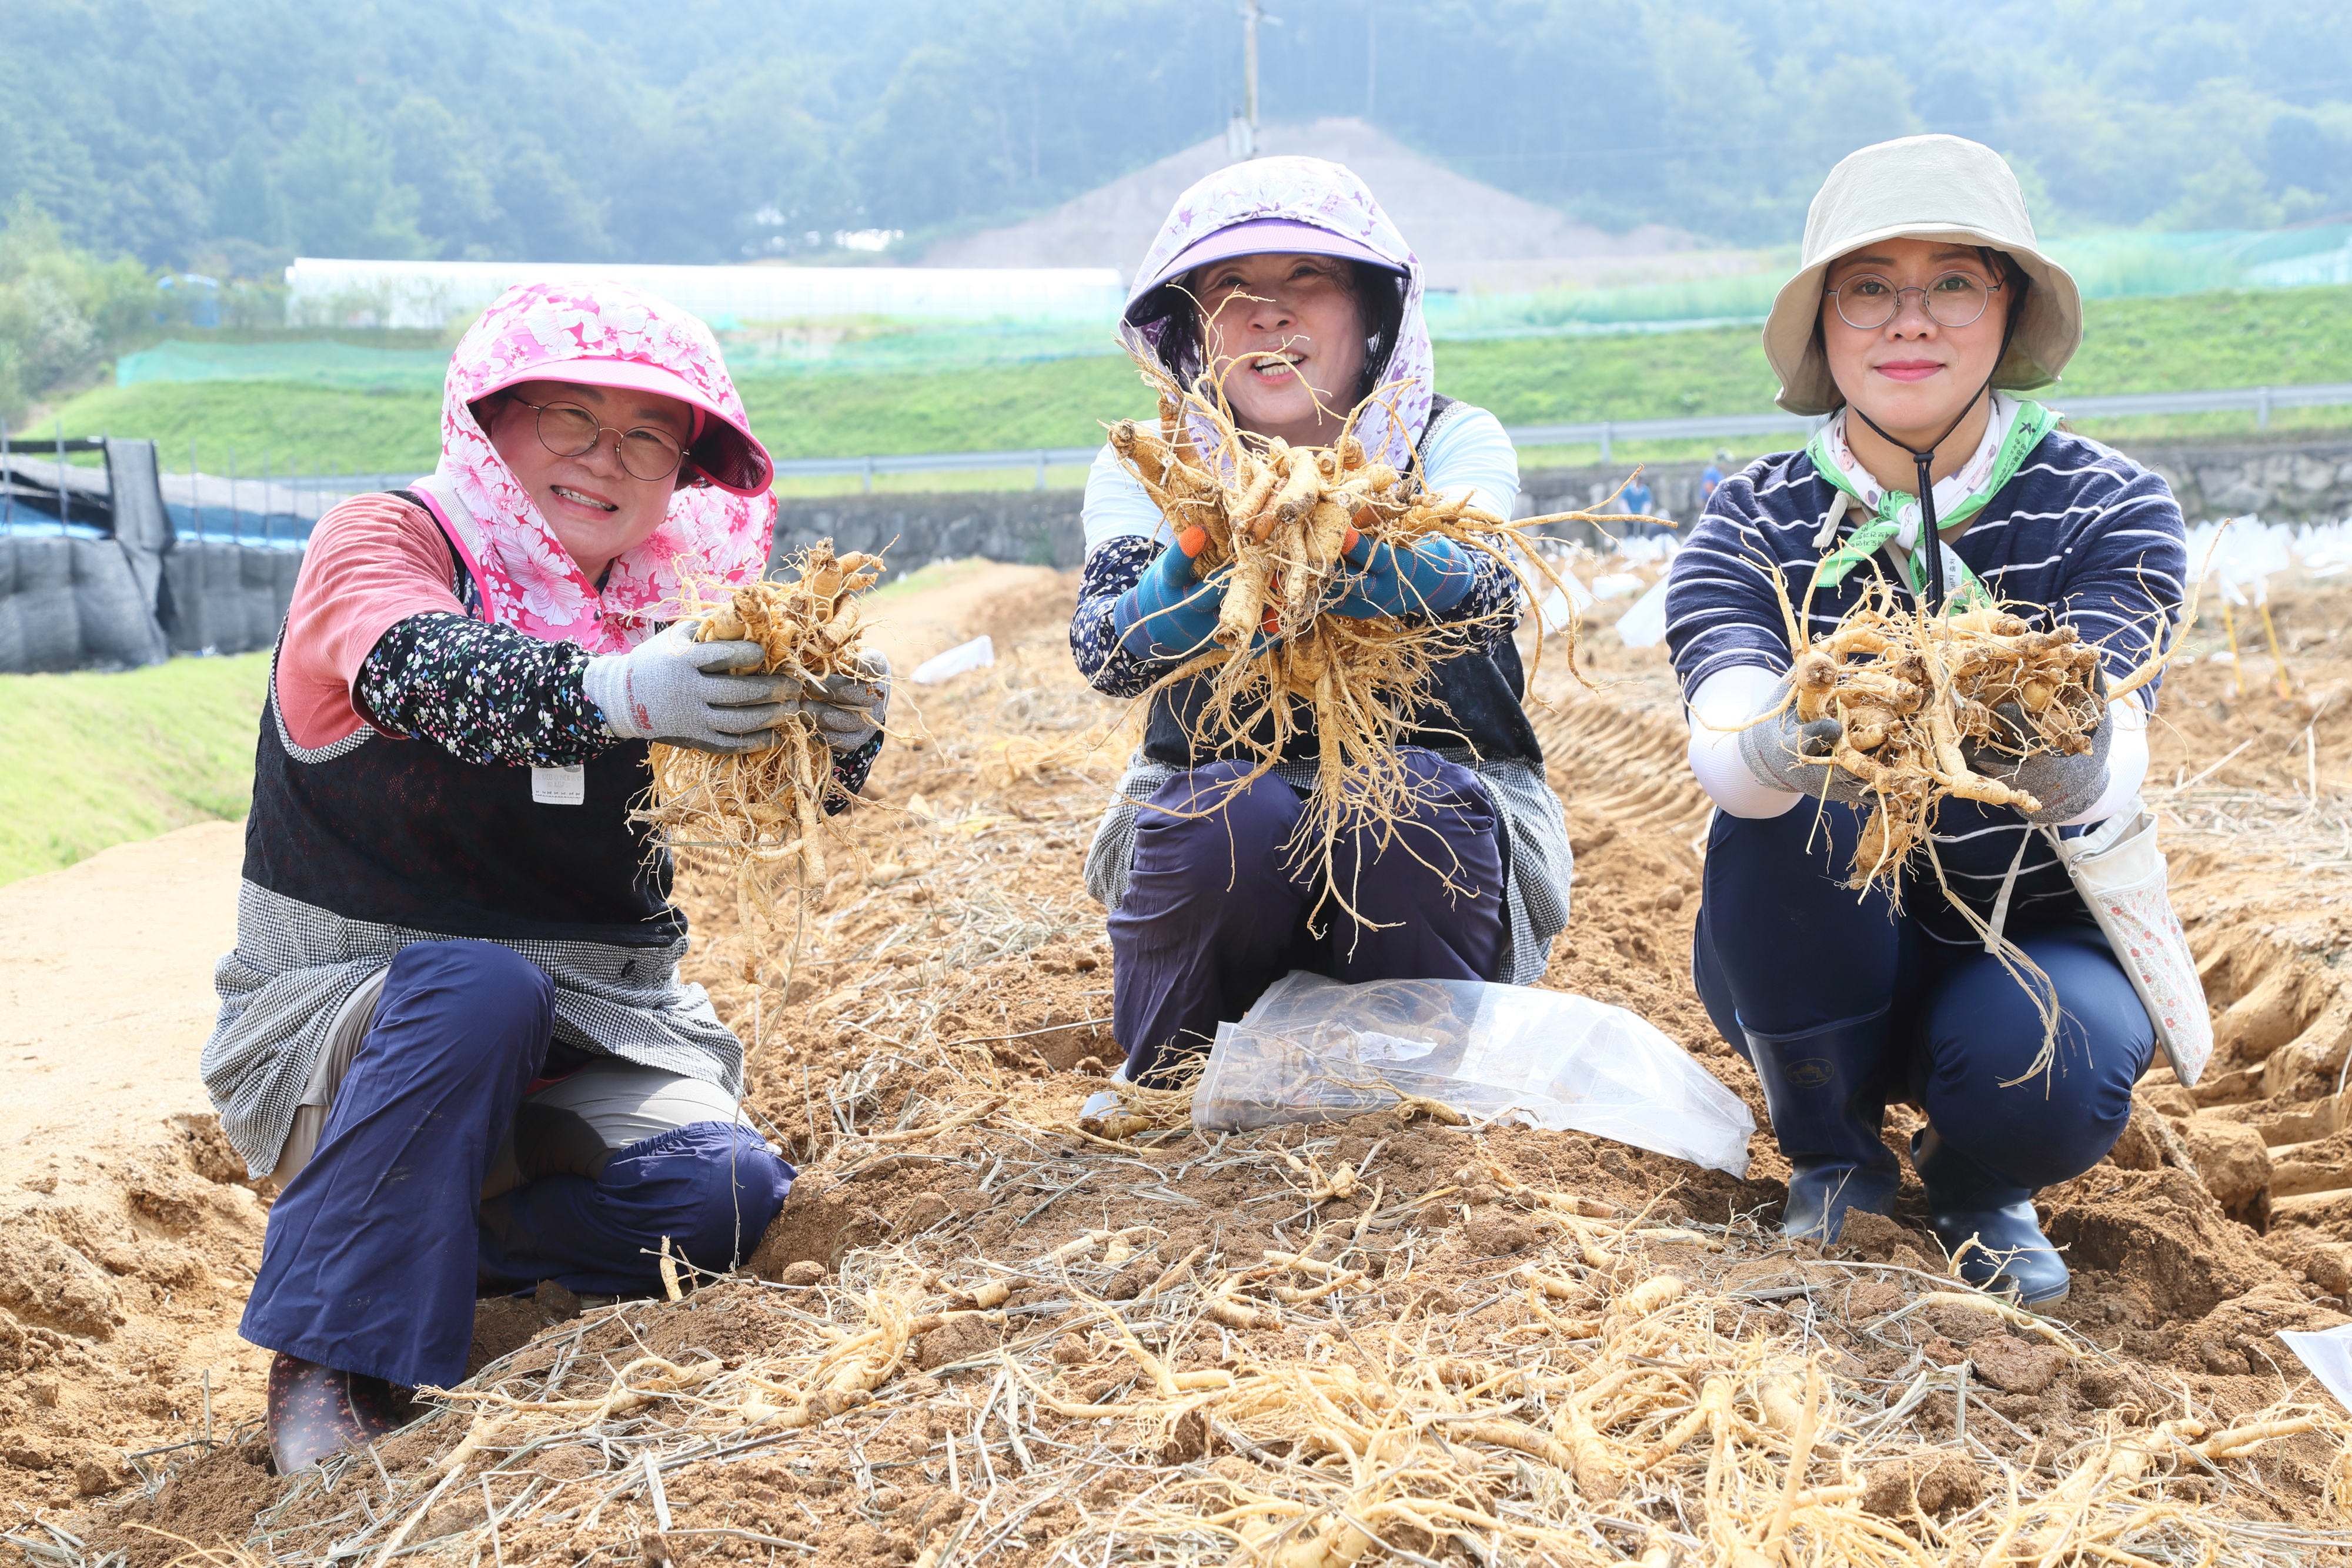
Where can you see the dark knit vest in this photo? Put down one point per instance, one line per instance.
(399, 832)
(1475, 701)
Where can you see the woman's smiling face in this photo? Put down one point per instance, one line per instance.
(1286, 336)
(596, 506)
(1912, 374)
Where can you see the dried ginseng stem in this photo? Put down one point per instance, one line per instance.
(761, 814)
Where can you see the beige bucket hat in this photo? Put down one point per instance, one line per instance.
(1921, 187)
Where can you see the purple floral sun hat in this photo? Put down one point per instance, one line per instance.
(1307, 205)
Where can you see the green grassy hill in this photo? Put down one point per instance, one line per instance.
(2220, 339)
(88, 760)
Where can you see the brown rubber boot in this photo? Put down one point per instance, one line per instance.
(316, 1410)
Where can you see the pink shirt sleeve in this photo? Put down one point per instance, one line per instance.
(372, 562)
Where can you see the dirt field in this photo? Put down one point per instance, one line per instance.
(976, 1335)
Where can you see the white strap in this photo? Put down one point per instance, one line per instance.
(2008, 886)
(1829, 524)
(2123, 821)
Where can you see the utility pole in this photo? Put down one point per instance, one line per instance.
(1250, 13)
(1241, 133)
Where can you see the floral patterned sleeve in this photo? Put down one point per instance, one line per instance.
(850, 770)
(482, 693)
(1493, 601)
(1112, 568)
(492, 695)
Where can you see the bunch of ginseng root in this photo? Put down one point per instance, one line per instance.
(1278, 515)
(760, 814)
(1911, 689)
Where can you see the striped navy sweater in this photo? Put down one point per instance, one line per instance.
(2080, 534)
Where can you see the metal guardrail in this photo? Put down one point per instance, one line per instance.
(1605, 433)
(1699, 427)
(941, 463)
(2260, 400)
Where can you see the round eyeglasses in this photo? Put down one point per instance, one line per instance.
(570, 431)
(1953, 300)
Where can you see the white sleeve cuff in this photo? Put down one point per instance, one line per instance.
(2127, 763)
(1720, 709)
(1116, 506)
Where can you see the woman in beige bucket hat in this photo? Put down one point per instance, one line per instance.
(1923, 305)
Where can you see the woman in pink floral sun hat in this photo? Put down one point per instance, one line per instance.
(453, 1026)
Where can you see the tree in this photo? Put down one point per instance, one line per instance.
(246, 203)
(61, 310)
(717, 129)
(552, 215)
(339, 192)
(2300, 151)
(433, 155)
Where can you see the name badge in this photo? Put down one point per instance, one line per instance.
(559, 786)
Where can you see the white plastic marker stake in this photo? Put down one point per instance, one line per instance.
(1560, 608)
(976, 654)
(2328, 1353)
(1644, 624)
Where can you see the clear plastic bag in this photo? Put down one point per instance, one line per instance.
(1313, 1049)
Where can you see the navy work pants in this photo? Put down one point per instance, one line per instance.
(1219, 902)
(1783, 947)
(378, 1247)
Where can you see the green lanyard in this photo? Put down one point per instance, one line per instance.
(2029, 422)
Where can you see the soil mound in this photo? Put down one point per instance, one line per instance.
(977, 1333)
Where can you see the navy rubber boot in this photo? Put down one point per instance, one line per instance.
(1991, 1217)
(1822, 1090)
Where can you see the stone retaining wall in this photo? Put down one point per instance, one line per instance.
(2284, 480)
(1039, 527)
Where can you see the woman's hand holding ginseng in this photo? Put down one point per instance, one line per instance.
(1427, 577)
(1787, 751)
(1171, 613)
(705, 696)
(848, 709)
(2064, 785)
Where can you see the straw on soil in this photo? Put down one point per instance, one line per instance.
(1621, 1389)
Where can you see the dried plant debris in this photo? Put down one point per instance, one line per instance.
(1542, 1384)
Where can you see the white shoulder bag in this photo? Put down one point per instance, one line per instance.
(2120, 873)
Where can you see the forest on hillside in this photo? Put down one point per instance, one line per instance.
(230, 136)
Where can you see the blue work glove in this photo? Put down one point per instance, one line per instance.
(1428, 578)
(708, 696)
(1171, 613)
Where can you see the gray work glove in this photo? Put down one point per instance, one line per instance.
(849, 709)
(675, 690)
(1786, 754)
(2066, 785)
